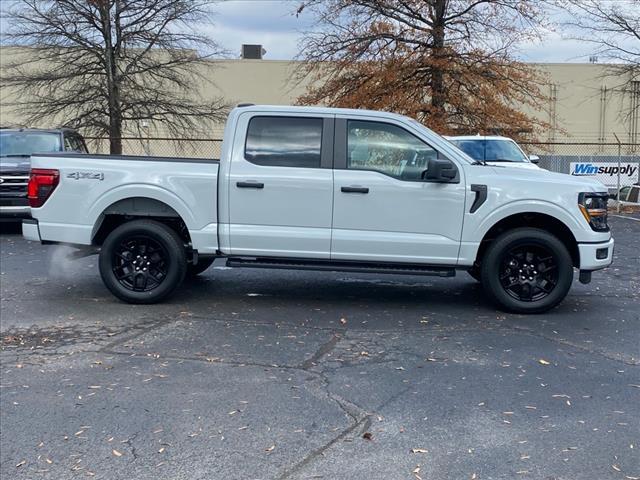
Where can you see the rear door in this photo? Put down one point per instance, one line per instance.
(383, 209)
(281, 186)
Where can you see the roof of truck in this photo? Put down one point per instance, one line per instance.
(320, 110)
(477, 137)
(37, 130)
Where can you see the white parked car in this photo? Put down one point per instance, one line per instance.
(325, 189)
(630, 194)
(495, 150)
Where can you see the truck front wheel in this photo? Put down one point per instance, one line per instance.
(526, 270)
(143, 261)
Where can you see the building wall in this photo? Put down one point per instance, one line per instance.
(587, 103)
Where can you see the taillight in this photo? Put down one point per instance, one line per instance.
(42, 183)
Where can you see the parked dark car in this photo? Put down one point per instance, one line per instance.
(16, 147)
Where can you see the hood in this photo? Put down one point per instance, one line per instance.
(15, 164)
(524, 165)
(586, 184)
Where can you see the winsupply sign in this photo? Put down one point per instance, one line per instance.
(608, 172)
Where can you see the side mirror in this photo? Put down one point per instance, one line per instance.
(535, 159)
(440, 171)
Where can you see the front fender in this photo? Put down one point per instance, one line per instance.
(475, 230)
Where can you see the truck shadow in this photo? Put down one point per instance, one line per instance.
(304, 295)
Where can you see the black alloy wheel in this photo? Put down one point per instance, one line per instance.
(526, 270)
(140, 263)
(529, 273)
(143, 261)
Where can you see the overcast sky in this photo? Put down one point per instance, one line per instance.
(273, 24)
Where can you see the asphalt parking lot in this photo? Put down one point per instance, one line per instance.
(250, 374)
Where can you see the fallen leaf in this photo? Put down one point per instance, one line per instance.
(116, 453)
(616, 468)
(542, 361)
(21, 463)
(367, 436)
(419, 450)
(343, 321)
(270, 449)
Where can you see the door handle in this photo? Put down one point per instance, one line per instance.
(249, 185)
(355, 189)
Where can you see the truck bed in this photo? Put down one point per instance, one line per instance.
(93, 186)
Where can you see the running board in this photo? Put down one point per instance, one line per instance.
(336, 266)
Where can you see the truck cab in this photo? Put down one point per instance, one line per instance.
(327, 189)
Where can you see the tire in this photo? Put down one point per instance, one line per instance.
(526, 270)
(123, 263)
(201, 266)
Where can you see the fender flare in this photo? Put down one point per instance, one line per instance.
(124, 192)
(527, 206)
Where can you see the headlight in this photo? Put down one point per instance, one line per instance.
(594, 209)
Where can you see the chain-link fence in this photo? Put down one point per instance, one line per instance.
(616, 165)
(161, 147)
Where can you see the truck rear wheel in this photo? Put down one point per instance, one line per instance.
(142, 261)
(527, 270)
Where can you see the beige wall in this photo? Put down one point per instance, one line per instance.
(588, 102)
(581, 109)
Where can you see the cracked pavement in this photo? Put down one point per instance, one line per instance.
(253, 374)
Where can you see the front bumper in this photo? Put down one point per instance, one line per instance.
(594, 256)
(30, 230)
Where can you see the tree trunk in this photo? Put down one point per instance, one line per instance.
(113, 87)
(438, 94)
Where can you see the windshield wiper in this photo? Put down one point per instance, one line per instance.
(21, 155)
(504, 160)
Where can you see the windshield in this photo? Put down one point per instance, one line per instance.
(27, 143)
(492, 150)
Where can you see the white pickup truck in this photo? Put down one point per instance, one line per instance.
(325, 189)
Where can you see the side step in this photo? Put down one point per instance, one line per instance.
(337, 266)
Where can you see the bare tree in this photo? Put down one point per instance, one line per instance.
(107, 65)
(448, 63)
(613, 28)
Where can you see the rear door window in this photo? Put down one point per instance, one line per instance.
(284, 141)
(73, 143)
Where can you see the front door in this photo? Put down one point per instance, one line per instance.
(281, 187)
(383, 210)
